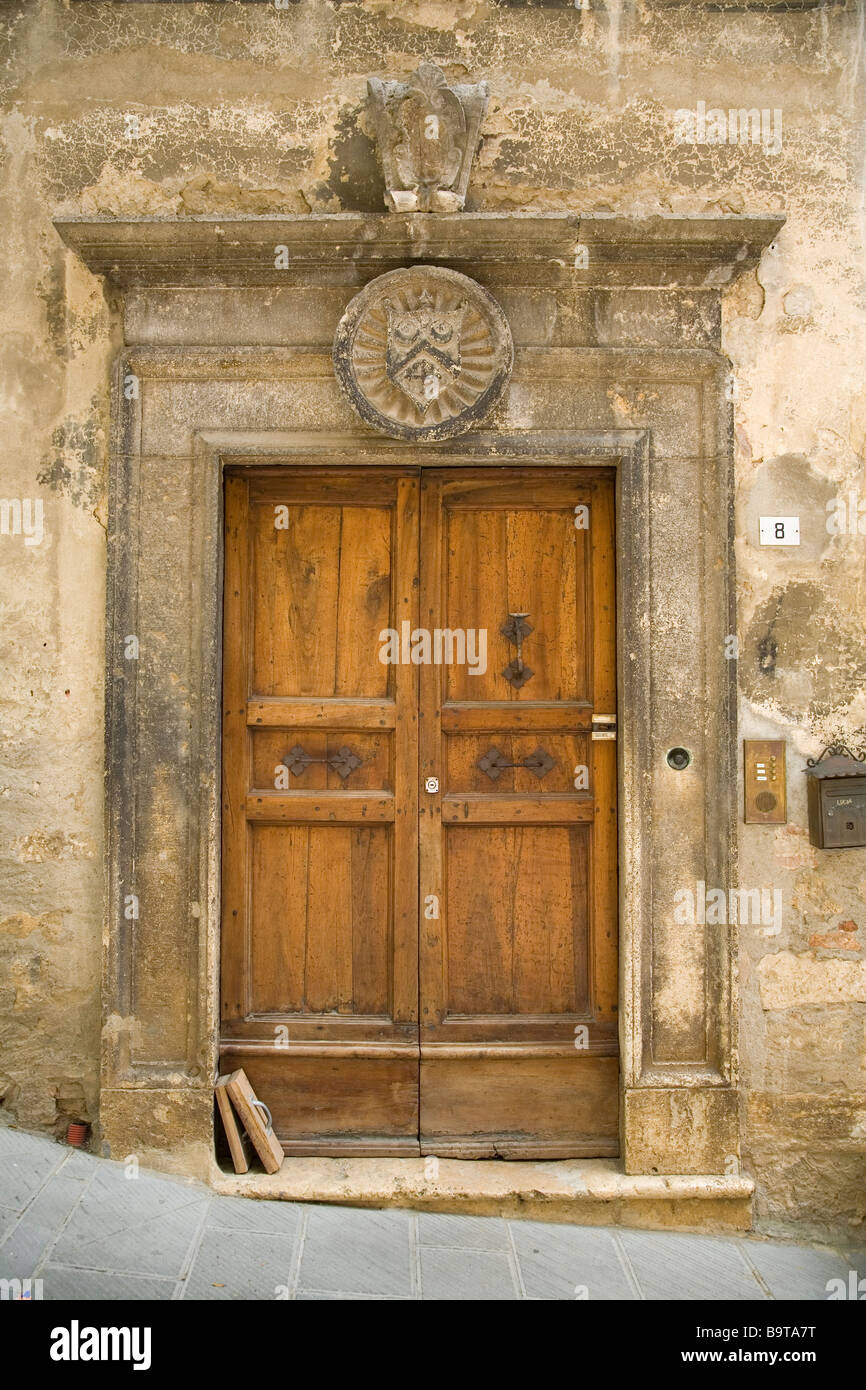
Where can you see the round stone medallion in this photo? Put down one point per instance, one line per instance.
(423, 353)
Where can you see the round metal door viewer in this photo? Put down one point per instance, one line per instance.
(678, 758)
(423, 353)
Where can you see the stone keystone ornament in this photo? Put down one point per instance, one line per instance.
(428, 135)
(423, 353)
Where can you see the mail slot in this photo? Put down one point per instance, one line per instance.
(837, 802)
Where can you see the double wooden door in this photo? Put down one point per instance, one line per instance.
(419, 927)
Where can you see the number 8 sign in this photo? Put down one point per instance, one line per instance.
(780, 530)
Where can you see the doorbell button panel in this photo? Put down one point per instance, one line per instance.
(765, 782)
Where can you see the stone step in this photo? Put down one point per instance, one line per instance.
(586, 1191)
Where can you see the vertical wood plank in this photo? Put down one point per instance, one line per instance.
(541, 579)
(296, 590)
(405, 858)
(432, 930)
(472, 596)
(371, 935)
(364, 601)
(278, 926)
(328, 918)
(605, 888)
(234, 965)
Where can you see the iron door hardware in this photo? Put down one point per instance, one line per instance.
(494, 764)
(344, 761)
(603, 726)
(516, 631)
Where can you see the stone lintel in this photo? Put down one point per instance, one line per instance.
(660, 249)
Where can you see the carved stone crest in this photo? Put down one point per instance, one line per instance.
(428, 134)
(423, 353)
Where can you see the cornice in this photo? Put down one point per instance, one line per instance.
(525, 248)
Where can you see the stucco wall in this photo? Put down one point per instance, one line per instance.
(247, 108)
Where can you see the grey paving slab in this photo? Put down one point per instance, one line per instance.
(18, 1145)
(140, 1226)
(354, 1251)
(476, 1275)
(25, 1163)
(326, 1296)
(87, 1285)
(241, 1214)
(795, 1271)
(560, 1262)
(79, 1164)
(240, 1264)
(462, 1232)
(8, 1218)
(669, 1266)
(38, 1226)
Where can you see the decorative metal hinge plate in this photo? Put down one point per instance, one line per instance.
(344, 761)
(494, 763)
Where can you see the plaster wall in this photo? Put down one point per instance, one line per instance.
(137, 109)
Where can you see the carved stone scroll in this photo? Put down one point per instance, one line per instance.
(428, 134)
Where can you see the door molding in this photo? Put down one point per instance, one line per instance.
(678, 1089)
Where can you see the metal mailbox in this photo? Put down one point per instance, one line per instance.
(837, 799)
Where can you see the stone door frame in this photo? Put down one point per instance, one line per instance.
(658, 1102)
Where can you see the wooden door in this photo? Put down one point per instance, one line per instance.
(325, 806)
(518, 847)
(320, 768)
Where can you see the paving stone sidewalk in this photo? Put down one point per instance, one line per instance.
(88, 1231)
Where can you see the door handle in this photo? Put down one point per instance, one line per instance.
(517, 673)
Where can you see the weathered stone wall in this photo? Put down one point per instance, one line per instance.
(132, 109)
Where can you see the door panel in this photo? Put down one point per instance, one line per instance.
(329, 571)
(320, 905)
(327, 887)
(518, 972)
(530, 955)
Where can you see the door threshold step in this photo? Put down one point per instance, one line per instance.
(592, 1192)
